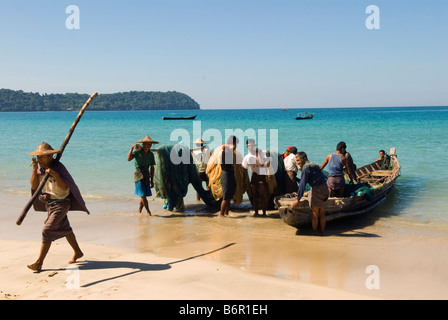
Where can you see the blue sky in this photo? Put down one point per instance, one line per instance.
(232, 53)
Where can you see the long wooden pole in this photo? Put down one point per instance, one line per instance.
(62, 148)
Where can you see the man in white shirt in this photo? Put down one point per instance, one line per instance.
(256, 160)
(291, 169)
(201, 155)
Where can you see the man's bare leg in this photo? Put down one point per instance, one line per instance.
(225, 206)
(37, 266)
(144, 203)
(74, 244)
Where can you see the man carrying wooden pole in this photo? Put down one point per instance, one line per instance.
(55, 191)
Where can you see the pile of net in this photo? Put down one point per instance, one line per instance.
(174, 171)
(359, 189)
(214, 172)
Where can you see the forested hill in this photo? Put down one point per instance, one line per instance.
(11, 100)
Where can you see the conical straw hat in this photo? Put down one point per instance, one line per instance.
(199, 140)
(147, 139)
(44, 149)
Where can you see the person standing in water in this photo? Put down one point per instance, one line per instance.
(318, 195)
(337, 162)
(228, 181)
(256, 160)
(144, 170)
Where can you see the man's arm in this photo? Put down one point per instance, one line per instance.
(327, 159)
(34, 181)
(60, 182)
(349, 169)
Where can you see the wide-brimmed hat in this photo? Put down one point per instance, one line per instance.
(199, 140)
(147, 139)
(44, 149)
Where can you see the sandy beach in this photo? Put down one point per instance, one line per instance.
(200, 256)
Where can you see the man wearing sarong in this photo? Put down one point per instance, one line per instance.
(256, 160)
(60, 194)
(228, 181)
(318, 195)
(201, 156)
(291, 170)
(144, 170)
(337, 162)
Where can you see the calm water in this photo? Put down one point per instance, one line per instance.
(96, 154)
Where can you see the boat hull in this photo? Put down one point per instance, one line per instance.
(304, 118)
(179, 118)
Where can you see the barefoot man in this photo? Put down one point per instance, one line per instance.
(144, 170)
(59, 195)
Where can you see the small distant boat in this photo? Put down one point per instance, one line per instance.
(179, 118)
(304, 116)
(284, 109)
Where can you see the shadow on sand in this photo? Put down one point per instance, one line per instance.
(344, 227)
(136, 267)
(240, 211)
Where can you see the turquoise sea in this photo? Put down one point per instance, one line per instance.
(96, 154)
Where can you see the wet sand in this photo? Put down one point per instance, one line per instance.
(198, 255)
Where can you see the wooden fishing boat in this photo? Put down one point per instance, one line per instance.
(304, 116)
(179, 118)
(375, 182)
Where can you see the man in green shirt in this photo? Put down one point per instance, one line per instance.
(144, 170)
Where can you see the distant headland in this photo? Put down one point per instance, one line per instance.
(17, 100)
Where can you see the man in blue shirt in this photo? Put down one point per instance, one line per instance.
(318, 195)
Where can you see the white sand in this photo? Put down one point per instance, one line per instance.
(186, 256)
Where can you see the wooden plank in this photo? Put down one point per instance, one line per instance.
(381, 173)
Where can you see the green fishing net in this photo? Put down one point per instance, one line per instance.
(174, 171)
